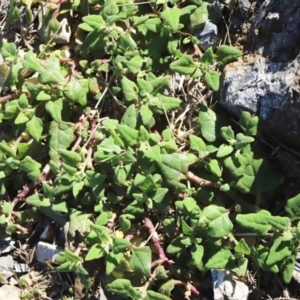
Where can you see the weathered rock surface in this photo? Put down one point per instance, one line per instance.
(266, 81)
(9, 292)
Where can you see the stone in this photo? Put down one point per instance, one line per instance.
(45, 252)
(244, 6)
(21, 268)
(6, 267)
(225, 287)
(207, 35)
(268, 90)
(10, 292)
(6, 244)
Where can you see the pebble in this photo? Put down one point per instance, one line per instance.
(46, 251)
(10, 292)
(6, 268)
(6, 244)
(208, 36)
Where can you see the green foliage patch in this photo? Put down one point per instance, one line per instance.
(88, 142)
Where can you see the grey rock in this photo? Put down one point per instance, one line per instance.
(46, 251)
(6, 267)
(225, 287)
(266, 82)
(244, 6)
(10, 292)
(6, 244)
(208, 35)
(266, 89)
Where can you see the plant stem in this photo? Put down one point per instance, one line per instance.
(32, 186)
(192, 177)
(156, 241)
(6, 98)
(163, 258)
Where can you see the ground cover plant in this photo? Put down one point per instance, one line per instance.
(93, 138)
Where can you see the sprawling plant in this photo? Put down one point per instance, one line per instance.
(86, 141)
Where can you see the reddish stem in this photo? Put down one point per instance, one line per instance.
(32, 186)
(189, 286)
(156, 241)
(6, 98)
(162, 257)
(192, 177)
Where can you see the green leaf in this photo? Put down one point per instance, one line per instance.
(61, 135)
(166, 103)
(35, 128)
(208, 57)
(7, 149)
(184, 65)
(124, 288)
(236, 164)
(250, 125)
(159, 84)
(242, 247)
(197, 252)
(227, 133)
(171, 17)
(151, 295)
(281, 223)
(287, 268)
(94, 21)
(200, 15)
(95, 252)
(70, 157)
(9, 51)
(213, 167)
(145, 87)
(38, 200)
(77, 91)
(54, 108)
(21, 118)
(292, 207)
(135, 64)
(141, 260)
(146, 114)
(242, 141)
(112, 261)
(129, 89)
(220, 226)
(31, 167)
(174, 167)
(175, 246)
(255, 222)
(120, 245)
(212, 79)
(226, 54)
(258, 177)
(260, 256)
(43, 96)
(79, 221)
(224, 150)
(129, 118)
(128, 135)
(279, 250)
(196, 143)
(220, 260)
(167, 287)
(51, 72)
(207, 121)
(31, 62)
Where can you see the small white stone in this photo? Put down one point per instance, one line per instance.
(45, 251)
